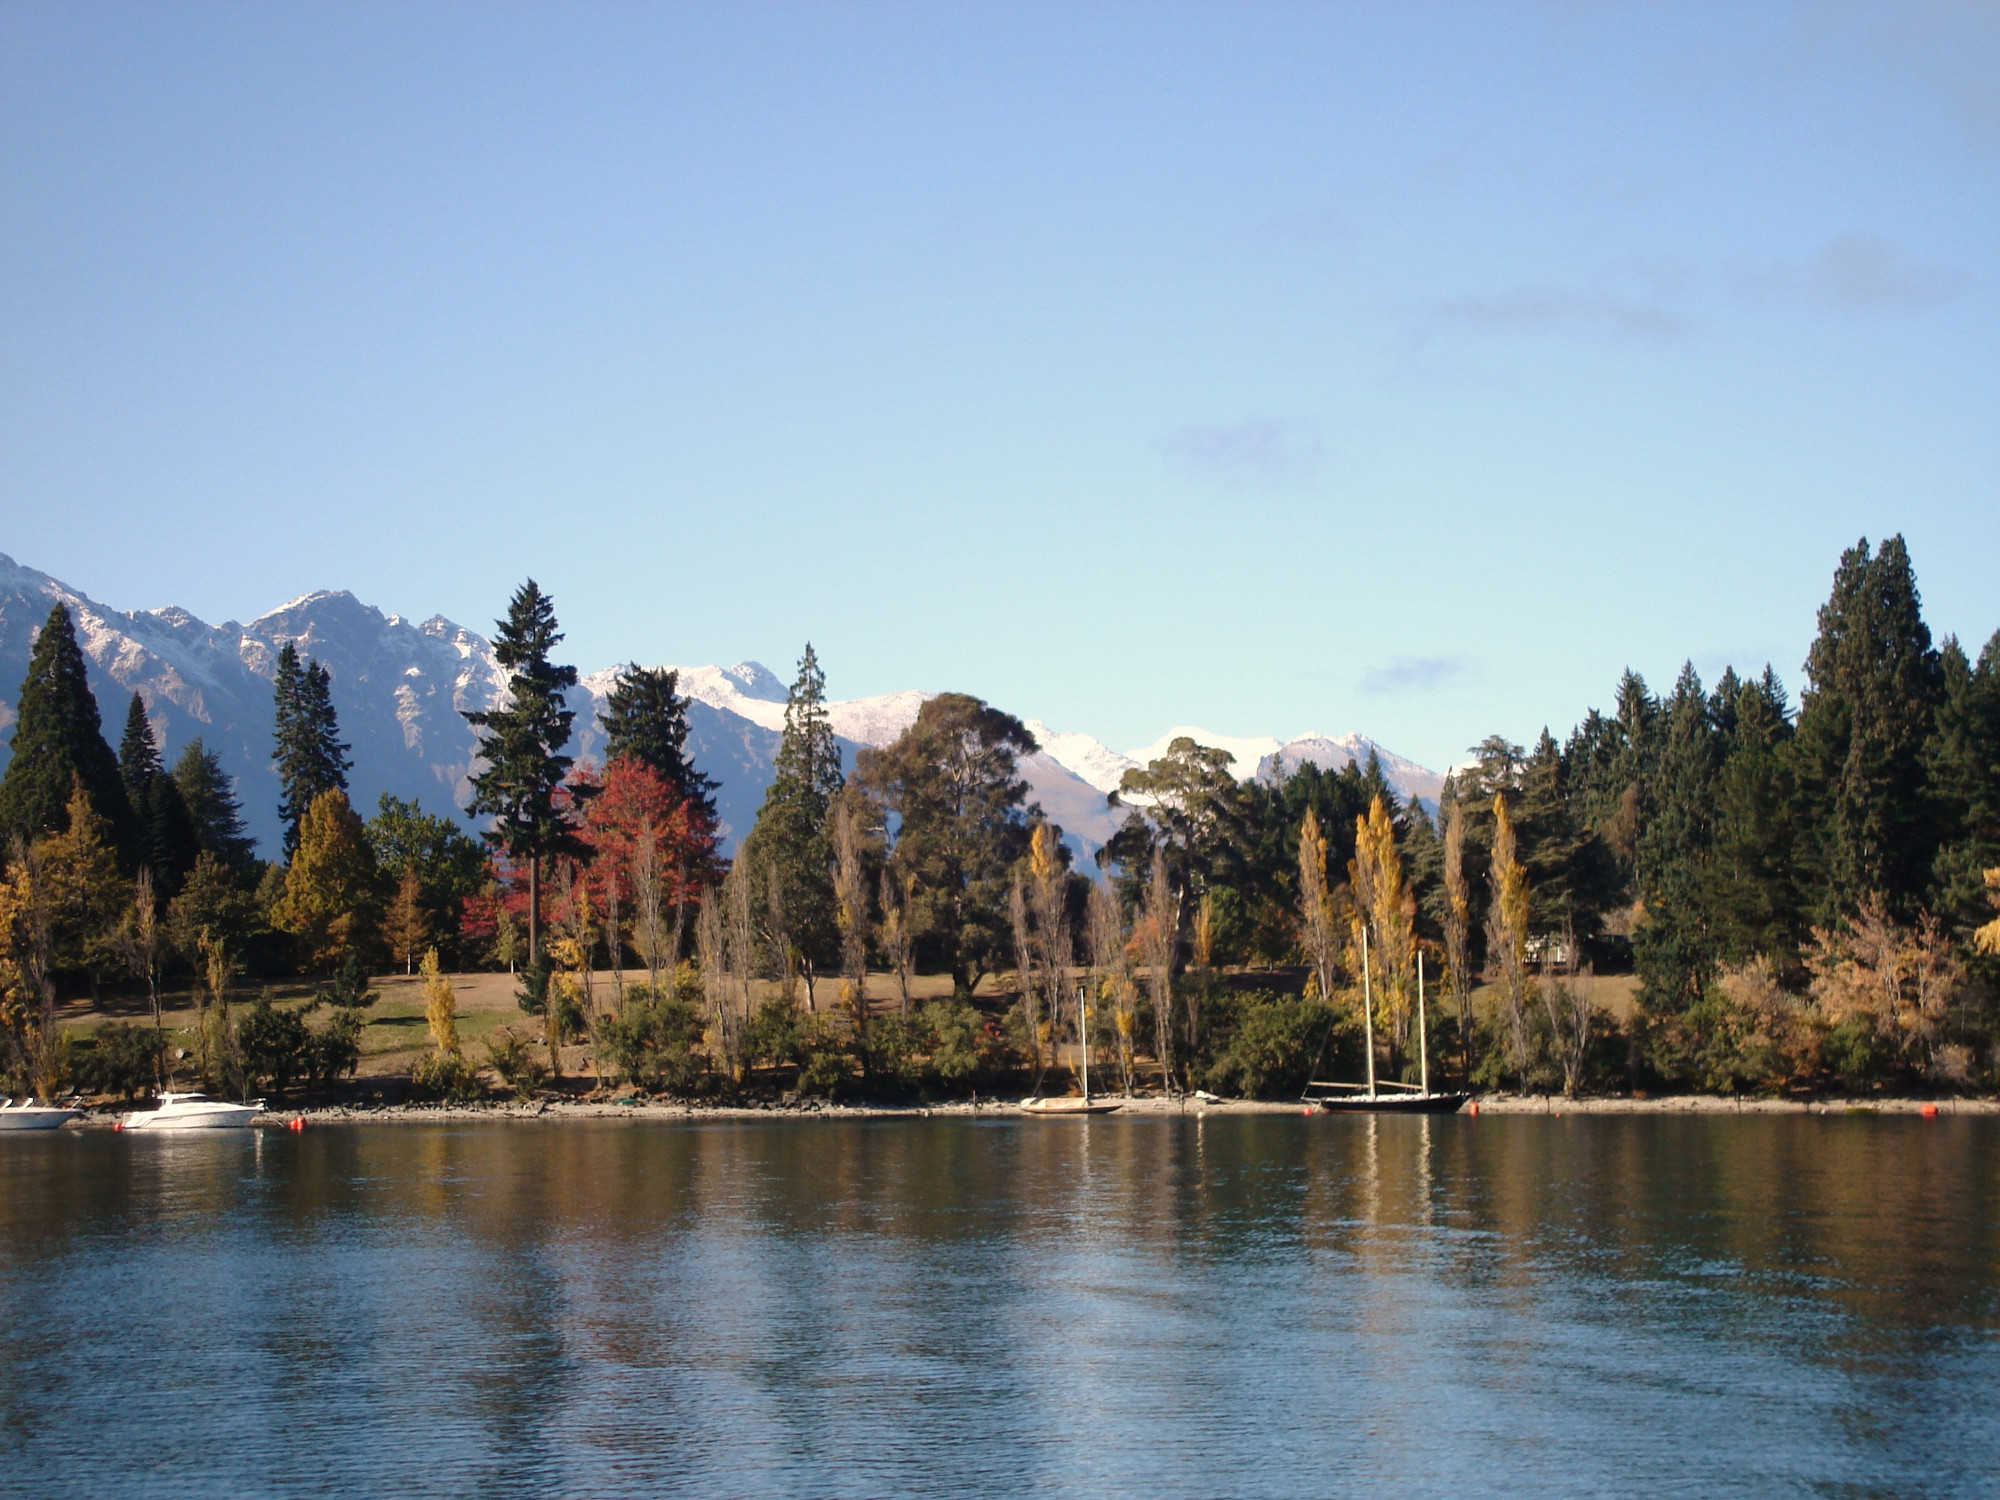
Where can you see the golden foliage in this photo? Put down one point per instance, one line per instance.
(1899, 980)
(328, 903)
(440, 1005)
(1987, 938)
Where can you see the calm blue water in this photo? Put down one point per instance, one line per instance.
(1246, 1306)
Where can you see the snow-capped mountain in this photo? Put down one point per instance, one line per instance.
(401, 689)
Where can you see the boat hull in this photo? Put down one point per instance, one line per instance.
(220, 1117)
(1394, 1104)
(1069, 1107)
(35, 1117)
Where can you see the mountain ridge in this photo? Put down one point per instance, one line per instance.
(401, 688)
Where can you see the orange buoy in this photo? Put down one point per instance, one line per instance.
(1929, 1111)
(1472, 1108)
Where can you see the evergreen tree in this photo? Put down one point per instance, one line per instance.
(952, 778)
(1874, 686)
(310, 754)
(59, 744)
(1962, 763)
(166, 835)
(645, 719)
(789, 850)
(1673, 947)
(1751, 891)
(209, 794)
(522, 748)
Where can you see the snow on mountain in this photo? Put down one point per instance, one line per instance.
(402, 688)
(1331, 752)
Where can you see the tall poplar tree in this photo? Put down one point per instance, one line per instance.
(522, 748)
(310, 754)
(59, 744)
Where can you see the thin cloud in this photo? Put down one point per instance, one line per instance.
(1551, 309)
(1414, 674)
(1261, 452)
(1858, 271)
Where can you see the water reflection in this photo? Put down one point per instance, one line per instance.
(1244, 1305)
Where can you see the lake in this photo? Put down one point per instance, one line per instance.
(1154, 1306)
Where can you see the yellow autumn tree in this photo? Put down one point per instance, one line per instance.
(82, 892)
(406, 926)
(1987, 938)
(440, 1005)
(1507, 934)
(1317, 933)
(1390, 911)
(329, 900)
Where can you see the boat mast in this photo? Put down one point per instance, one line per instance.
(1368, 1010)
(1423, 1029)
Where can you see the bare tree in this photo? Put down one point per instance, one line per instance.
(645, 861)
(1565, 988)
(1507, 935)
(1458, 926)
(896, 937)
(1026, 970)
(1159, 929)
(145, 953)
(1317, 929)
(1048, 912)
(850, 893)
(1111, 975)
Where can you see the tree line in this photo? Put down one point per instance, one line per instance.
(1803, 895)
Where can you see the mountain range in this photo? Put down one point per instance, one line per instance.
(401, 688)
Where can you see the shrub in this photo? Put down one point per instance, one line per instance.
(652, 1045)
(776, 1033)
(120, 1059)
(964, 1047)
(1271, 1046)
(446, 1077)
(516, 1064)
(274, 1044)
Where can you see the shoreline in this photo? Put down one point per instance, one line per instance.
(560, 1111)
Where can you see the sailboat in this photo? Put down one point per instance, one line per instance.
(1402, 1098)
(1069, 1104)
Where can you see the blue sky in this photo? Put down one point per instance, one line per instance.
(1276, 368)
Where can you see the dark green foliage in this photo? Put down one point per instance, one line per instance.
(209, 794)
(645, 719)
(307, 746)
(775, 1033)
(1874, 684)
(333, 1050)
(1963, 766)
(120, 1059)
(652, 1044)
(1263, 1045)
(952, 780)
(522, 747)
(1675, 949)
(165, 832)
(450, 866)
(789, 851)
(58, 743)
(274, 1043)
(349, 990)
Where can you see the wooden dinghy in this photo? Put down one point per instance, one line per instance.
(1070, 1106)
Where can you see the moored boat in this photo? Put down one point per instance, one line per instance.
(29, 1115)
(1369, 1097)
(1069, 1104)
(193, 1112)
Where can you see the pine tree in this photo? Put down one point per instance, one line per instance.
(1873, 687)
(522, 749)
(1962, 765)
(166, 835)
(789, 850)
(1674, 948)
(59, 744)
(310, 754)
(645, 719)
(209, 794)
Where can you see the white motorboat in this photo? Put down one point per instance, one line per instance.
(28, 1115)
(193, 1112)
